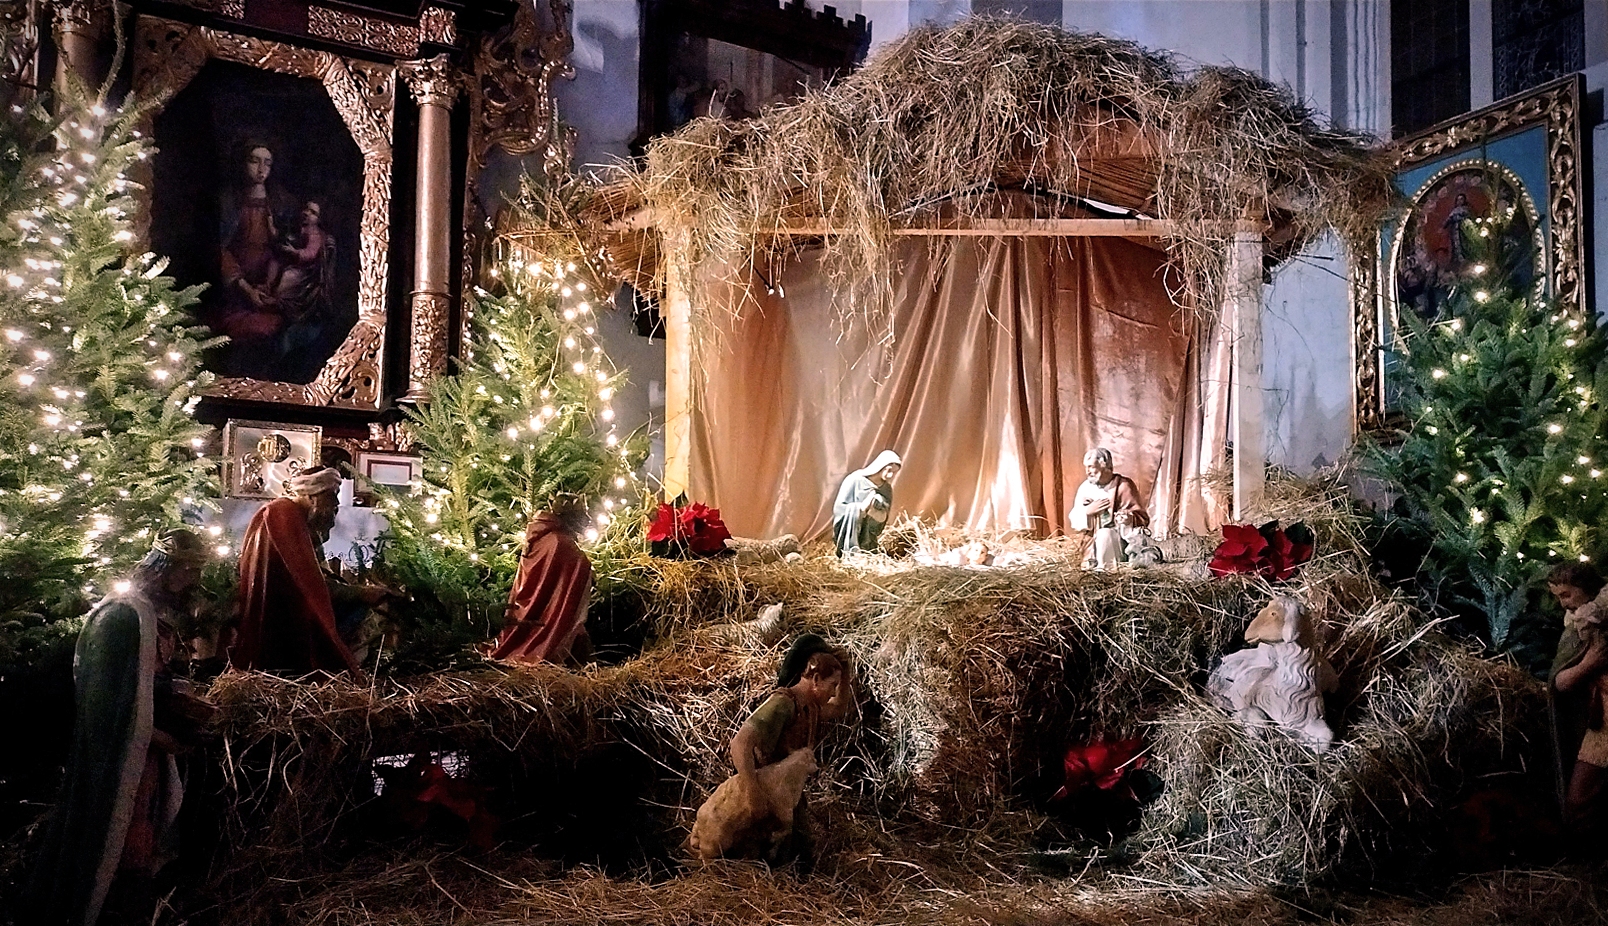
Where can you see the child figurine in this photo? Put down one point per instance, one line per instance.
(1576, 690)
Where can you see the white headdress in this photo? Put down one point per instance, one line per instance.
(316, 482)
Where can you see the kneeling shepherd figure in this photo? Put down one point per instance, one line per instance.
(761, 812)
(863, 502)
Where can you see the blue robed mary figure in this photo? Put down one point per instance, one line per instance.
(863, 502)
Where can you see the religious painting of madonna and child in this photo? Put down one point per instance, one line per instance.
(1433, 251)
(258, 193)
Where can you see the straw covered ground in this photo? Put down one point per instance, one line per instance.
(933, 803)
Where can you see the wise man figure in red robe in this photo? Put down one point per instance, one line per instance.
(547, 608)
(287, 622)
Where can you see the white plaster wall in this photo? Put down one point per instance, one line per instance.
(1306, 356)
(1213, 31)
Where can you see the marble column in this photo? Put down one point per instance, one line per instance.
(1242, 291)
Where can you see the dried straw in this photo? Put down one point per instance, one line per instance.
(945, 115)
(972, 683)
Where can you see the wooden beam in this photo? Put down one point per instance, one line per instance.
(1242, 304)
(677, 313)
(644, 218)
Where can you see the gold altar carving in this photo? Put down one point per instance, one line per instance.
(438, 26)
(19, 48)
(399, 39)
(511, 90)
(431, 81)
(167, 56)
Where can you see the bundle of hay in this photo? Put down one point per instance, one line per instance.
(974, 682)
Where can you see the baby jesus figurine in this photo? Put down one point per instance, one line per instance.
(1107, 506)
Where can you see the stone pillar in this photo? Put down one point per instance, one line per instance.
(1242, 303)
(435, 85)
(677, 311)
(78, 29)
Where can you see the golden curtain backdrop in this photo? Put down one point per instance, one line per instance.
(1011, 357)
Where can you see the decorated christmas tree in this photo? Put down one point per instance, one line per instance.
(1501, 470)
(527, 417)
(98, 449)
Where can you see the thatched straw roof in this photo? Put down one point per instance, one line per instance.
(946, 116)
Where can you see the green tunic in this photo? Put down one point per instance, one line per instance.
(114, 669)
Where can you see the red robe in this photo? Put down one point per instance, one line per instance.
(548, 604)
(287, 623)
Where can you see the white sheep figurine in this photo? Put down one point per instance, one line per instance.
(1282, 680)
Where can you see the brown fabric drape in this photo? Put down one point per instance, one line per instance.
(1010, 358)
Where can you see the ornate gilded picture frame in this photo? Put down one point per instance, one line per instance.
(1520, 157)
(272, 186)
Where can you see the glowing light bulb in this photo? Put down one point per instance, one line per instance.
(121, 586)
(1554, 428)
(1477, 516)
(222, 549)
(27, 379)
(13, 335)
(1460, 477)
(1438, 374)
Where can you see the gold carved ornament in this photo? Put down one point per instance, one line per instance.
(512, 108)
(167, 56)
(19, 47)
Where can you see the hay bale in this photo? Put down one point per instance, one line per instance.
(973, 683)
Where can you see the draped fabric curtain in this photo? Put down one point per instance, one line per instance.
(1010, 358)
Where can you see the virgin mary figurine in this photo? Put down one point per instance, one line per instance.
(863, 503)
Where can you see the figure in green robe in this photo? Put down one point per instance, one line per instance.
(863, 502)
(121, 791)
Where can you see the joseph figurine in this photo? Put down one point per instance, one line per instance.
(1107, 507)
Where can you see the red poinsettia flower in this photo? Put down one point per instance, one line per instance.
(664, 525)
(1269, 550)
(1101, 763)
(1240, 551)
(704, 531)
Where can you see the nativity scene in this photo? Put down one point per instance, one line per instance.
(945, 467)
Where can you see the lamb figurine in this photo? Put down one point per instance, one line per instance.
(725, 822)
(1282, 680)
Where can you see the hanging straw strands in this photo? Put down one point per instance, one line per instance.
(945, 115)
